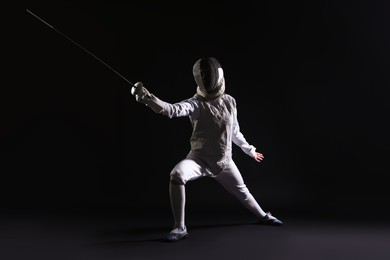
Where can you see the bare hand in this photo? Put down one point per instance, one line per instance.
(258, 157)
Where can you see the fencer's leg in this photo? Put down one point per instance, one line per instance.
(178, 200)
(186, 170)
(232, 180)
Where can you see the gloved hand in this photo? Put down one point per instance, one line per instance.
(140, 92)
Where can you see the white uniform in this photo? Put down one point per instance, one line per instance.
(215, 128)
(213, 115)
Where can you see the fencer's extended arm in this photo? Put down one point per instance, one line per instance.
(142, 95)
(184, 108)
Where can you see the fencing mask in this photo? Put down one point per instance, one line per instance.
(208, 74)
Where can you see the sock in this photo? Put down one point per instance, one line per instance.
(242, 193)
(250, 203)
(178, 198)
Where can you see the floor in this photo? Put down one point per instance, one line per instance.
(85, 236)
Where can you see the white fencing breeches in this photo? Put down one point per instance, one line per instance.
(192, 168)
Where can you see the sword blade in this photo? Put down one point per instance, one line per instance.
(79, 45)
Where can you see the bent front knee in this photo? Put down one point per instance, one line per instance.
(176, 178)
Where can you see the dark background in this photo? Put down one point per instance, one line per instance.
(310, 78)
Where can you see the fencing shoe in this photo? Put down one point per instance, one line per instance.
(270, 220)
(177, 234)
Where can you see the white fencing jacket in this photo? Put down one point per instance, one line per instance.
(214, 127)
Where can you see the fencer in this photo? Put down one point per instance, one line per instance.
(213, 116)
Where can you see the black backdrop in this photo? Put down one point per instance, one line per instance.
(310, 79)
